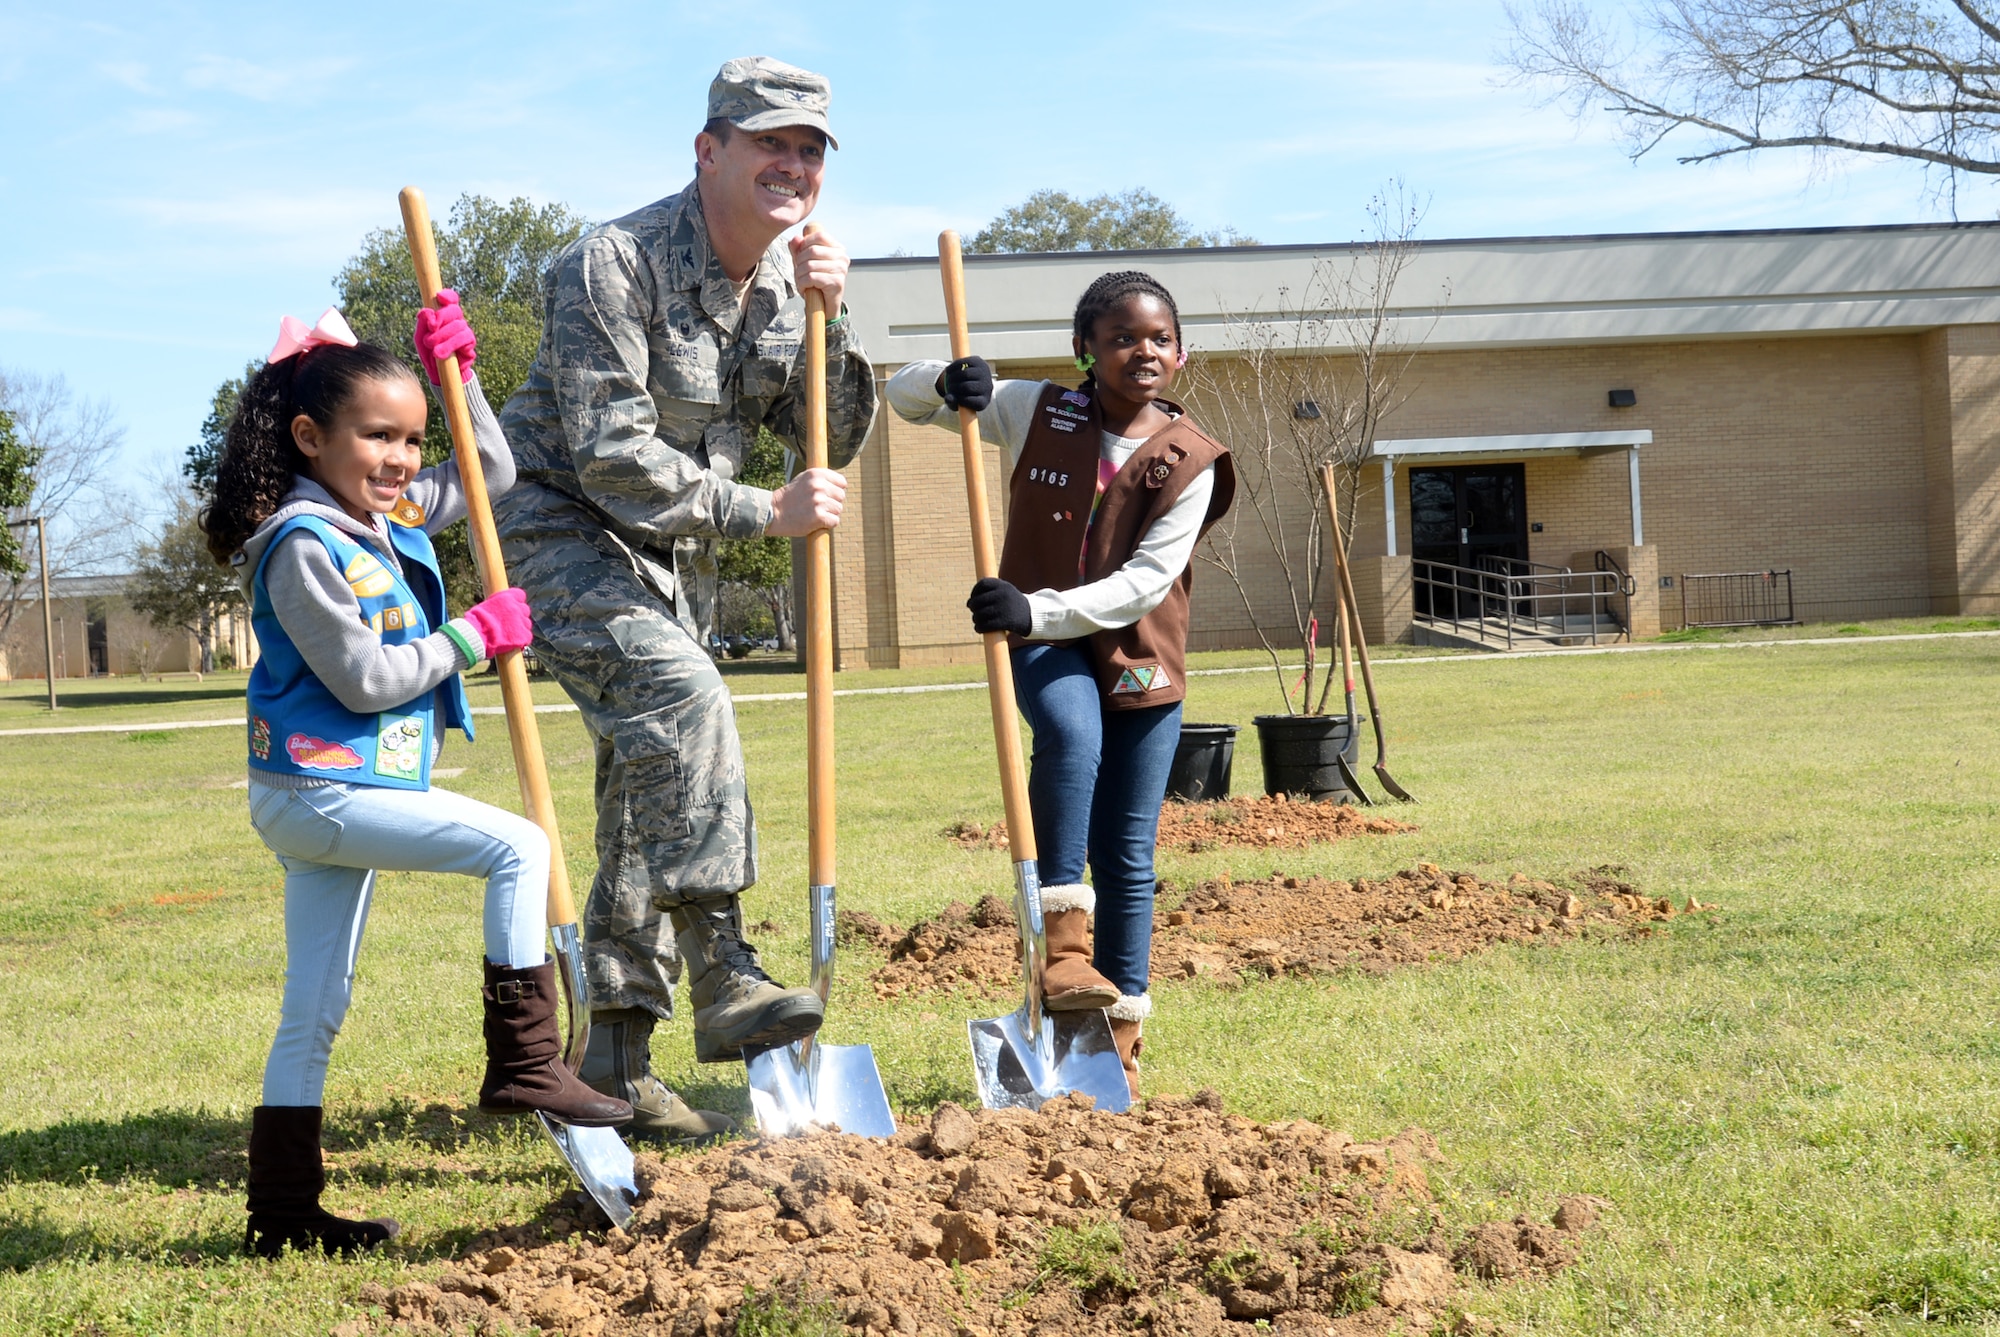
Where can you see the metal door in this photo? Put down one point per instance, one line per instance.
(1461, 514)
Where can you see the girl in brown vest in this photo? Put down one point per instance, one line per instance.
(1112, 485)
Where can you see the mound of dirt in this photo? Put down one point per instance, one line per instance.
(1273, 822)
(1282, 925)
(1312, 925)
(962, 948)
(1182, 1219)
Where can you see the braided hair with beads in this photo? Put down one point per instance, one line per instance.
(1107, 292)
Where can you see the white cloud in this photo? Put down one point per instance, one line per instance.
(263, 83)
(127, 74)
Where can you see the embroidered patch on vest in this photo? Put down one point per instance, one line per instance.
(260, 738)
(1076, 397)
(407, 514)
(1150, 678)
(399, 746)
(367, 576)
(316, 754)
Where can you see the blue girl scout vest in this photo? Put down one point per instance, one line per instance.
(298, 726)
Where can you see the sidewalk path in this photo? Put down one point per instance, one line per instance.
(980, 685)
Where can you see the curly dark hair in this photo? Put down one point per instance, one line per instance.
(259, 457)
(1109, 291)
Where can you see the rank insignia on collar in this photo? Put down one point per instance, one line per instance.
(407, 514)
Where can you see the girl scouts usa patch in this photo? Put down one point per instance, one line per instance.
(1140, 680)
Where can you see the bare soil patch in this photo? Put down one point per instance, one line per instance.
(1226, 929)
(1181, 1219)
(1273, 822)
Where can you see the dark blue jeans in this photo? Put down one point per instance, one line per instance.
(1095, 783)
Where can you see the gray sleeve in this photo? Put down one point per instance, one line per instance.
(912, 393)
(318, 610)
(438, 490)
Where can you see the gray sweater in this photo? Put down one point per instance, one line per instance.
(319, 611)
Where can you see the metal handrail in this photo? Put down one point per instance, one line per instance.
(1606, 562)
(1520, 605)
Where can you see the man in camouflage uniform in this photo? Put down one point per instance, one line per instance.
(672, 335)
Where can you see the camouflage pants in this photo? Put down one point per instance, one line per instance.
(673, 811)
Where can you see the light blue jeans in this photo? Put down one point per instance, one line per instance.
(331, 839)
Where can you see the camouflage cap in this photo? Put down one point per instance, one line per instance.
(758, 93)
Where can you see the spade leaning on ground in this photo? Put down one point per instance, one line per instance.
(672, 336)
(1111, 487)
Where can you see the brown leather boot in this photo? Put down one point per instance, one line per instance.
(1071, 983)
(1127, 1015)
(286, 1179)
(524, 1067)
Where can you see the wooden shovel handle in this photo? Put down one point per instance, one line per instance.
(999, 668)
(521, 727)
(819, 615)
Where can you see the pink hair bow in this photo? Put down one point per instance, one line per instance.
(294, 337)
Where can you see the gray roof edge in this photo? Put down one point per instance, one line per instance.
(1551, 239)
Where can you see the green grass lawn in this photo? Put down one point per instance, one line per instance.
(1790, 1104)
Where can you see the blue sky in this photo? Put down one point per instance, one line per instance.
(177, 176)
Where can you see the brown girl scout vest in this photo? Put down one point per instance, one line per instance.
(1054, 544)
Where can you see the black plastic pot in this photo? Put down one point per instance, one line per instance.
(1299, 752)
(1201, 762)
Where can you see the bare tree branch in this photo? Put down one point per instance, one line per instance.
(1911, 79)
(74, 486)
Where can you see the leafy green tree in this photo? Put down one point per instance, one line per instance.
(178, 586)
(17, 486)
(763, 566)
(1054, 220)
(204, 457)
(495, 256)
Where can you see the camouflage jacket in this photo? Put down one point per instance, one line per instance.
(645, 397)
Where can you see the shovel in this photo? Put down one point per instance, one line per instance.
(808, 1084)
(598, 1156)
(1353, 618)
(1032, 1055)
(1347, 776)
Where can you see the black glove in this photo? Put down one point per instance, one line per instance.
(998, 606)
(967, 383)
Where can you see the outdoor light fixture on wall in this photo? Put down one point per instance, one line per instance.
(1624, 399)
(1306, 408)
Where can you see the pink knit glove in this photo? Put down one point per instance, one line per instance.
(443, 332)
(502, 622)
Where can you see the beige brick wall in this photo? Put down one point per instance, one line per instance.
(1837, 457)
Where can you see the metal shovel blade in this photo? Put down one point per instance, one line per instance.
(825, 1087)
(1033, 1055)
(807, 1084)
(598, 1156)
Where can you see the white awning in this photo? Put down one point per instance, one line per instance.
(1534, 443)
(1440, 449)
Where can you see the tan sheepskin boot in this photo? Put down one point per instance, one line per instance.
(1128, 1015)
(1071, 983)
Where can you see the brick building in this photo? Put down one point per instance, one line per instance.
(1822, 401)
(98, 633)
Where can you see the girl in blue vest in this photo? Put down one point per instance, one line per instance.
(323, 509)
(1110, 486)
